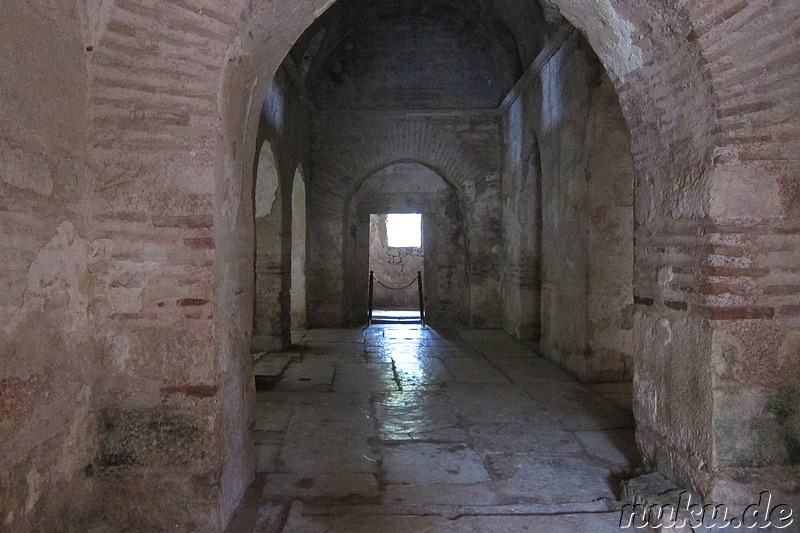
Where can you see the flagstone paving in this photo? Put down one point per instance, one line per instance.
(405, 428)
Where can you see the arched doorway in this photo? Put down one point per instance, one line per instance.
(623, 65)
(668, 64)
(410, 187)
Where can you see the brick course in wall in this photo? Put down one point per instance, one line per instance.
(143, 118)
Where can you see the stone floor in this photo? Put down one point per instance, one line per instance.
(404, 428)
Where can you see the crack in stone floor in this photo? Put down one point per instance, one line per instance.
(405, 428)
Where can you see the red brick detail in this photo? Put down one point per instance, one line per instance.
(127, 316)
(192, 302)
(782, 290)
(745, 109)
(728, 251)
(677, 305)
(184, 222)
(122, 217)
(193, 391)
(790, 310)
(716, 289)
(731, 272)
(200, 243)
(740, 313)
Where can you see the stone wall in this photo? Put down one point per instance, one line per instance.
(49, 352)
(568, 190)
(269, 318)
(159, 214)
(284, 137)
(174, 290)
(561, 108)
(522, 220)
(752, 272)
(609, 239)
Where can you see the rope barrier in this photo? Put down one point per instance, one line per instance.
(418, 281)
(395, 288)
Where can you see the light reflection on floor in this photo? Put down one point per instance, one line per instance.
(397, 427)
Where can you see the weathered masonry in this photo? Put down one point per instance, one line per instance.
(182, 182)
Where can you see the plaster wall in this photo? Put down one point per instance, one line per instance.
(49, 349)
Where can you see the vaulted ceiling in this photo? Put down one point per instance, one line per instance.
(427, 54)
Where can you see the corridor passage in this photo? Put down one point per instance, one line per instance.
(403, 428)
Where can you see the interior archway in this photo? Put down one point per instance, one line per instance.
(136, 239)
(624, 56)
(410, 187)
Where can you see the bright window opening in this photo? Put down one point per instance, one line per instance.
(404, 230)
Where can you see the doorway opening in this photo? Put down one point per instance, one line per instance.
(397, 264)
(405, 188)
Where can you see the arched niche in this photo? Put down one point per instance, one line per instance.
(609, 237)
(522, 218)
(267, 182)
(299, 228)
(268, 326)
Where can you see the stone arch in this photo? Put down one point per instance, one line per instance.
(681, 93)
(364, 175)
(343, 161)
(341, 168)
(444, 235)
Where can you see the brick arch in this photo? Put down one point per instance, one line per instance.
(683, 87)
(340, 170)
(468, 161)
(447, 296)
(141, 52)
(175, 91)
(365, 175)
(144, 51)
(155, 89)
(658, 70)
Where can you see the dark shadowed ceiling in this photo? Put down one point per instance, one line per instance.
(418, 54)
